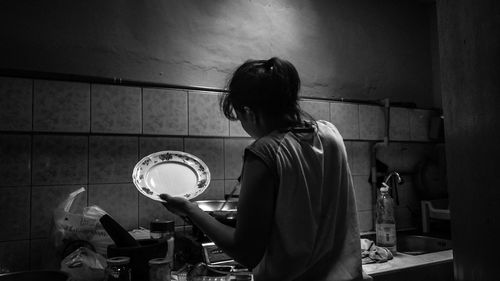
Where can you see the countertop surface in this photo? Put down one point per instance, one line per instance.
(404, 261)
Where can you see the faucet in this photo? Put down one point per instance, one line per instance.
(392, 174)
(396, 179)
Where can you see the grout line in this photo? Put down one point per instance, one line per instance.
(15, 240)
(188, 113)
(89, 144)
(76, 184)
(90, 107)
(224, 166)
(142, 111)
(330, 112)
(137, 192)
(88, 170)
(31, 171)
(30, 209)
(32, 105)
(359, 123)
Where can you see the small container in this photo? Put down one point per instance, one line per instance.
(163, 230)
(118, 269)
(159, 229)
(159, 270)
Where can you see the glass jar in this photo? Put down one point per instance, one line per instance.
(164, 230)
(118, 269)
(161, 229)
(159, 269)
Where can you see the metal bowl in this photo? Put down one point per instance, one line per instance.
(223, 211)
(218, 205)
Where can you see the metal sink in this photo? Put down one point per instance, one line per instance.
(417, 244)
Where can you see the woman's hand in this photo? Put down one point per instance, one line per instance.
(177, 205)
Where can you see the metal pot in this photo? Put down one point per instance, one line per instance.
(223, 211)
(217, 205)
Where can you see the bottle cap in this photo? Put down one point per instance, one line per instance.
(162, 226)
(118, 260)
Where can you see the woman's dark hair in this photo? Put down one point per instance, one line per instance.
(270, 87)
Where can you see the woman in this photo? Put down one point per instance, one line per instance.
(296, 216)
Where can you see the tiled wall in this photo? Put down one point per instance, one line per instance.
(56, 136)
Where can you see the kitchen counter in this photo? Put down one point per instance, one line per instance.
(402, 262)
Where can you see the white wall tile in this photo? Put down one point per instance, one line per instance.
(348, 149)
(399, 127)
(14, 255)
(371, 122)
(15, 213)
(120, 201)
(16, 99)
(116, 109)
(15, 167)
(359, 154)
(60, 159)
(345, 116)
(61, 106)
(233, 156)
(205, 117)
(165, 112)
(419, 124)
(319, 110)
(112, 158)
(363, 192)
(150, 145)
(236, 130)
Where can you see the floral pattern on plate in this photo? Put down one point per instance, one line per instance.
(145, 178)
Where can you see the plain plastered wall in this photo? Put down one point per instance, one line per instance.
(343, 49)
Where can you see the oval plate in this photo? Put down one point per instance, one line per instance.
(175, 173)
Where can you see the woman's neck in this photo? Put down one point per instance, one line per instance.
(268, 125)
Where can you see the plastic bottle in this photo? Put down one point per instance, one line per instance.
(385, 224)
(164, 231)
(118, 269)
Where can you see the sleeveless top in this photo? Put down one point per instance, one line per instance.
(315, 233)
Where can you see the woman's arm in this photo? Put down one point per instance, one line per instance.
(247, 242)
(255, 211)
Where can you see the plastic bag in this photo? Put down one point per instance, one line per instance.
(70, 229)
(84, 265)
